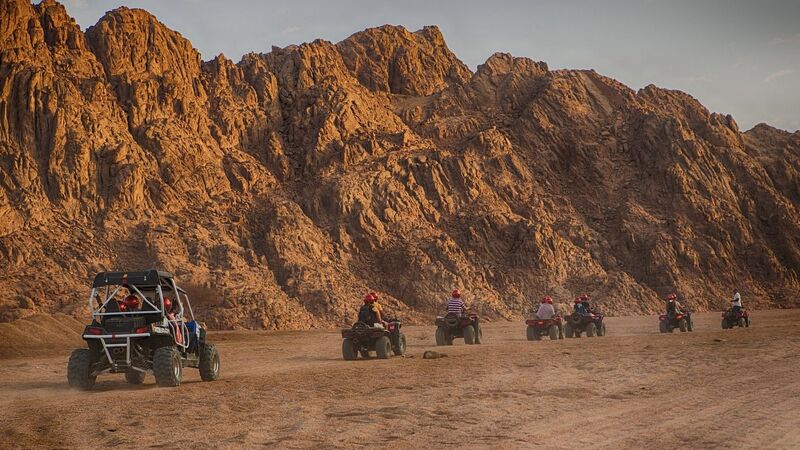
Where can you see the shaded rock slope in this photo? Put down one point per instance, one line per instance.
(282, 187)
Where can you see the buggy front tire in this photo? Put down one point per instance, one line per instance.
(383, 347)
(349, 350)
(167, 367)
(134, 376)
(209, 363)
(79, 369)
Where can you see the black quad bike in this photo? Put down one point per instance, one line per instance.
(363, 339)
(142, 323)
(667, 323)
(537, 328)
(454, 325)
(731, 319)
(592, 324)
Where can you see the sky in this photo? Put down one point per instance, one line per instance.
(737, 57)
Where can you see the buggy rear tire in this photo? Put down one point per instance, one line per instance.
(209, 363)
(682, 325)
(348, 350)
(167, 367)
(400, 348)
(441, 337)
(569, 332)
(591, 329)
(79, 369)
(553, 332)
(531, 333)
(383, 347)
(134, 376)
(469, 335)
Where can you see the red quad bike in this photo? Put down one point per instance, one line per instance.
(363, 339)
(669, 322)
(738, 319)
(591, 324)
(545, 327)
(453, 326)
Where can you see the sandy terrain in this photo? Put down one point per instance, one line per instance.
(633, 388)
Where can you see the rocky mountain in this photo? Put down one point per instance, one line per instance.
(282, 187)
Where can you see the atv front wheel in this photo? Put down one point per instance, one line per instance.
(441, 338)
(591, 329)
(348, 350)
(134, 376)
(747, 322)
(682, 325)
(400, 348)
(689, 324)
(469, 335)
(167, 367)
(569, 332)
(531, 334)
(79, 369)
(383, 347)
(553, 332)
(209, 363)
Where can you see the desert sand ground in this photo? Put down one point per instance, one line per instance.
(634, 388)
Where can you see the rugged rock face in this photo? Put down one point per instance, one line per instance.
(283, 187)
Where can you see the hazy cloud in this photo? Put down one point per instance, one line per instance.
(291, 29)
(790, 39)
(775, 75)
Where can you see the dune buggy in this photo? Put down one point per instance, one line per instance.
(680, 320)
(454, 325)
(142, 323)
(731, 319)
(545, 327)
(592, 324)
(363, 339)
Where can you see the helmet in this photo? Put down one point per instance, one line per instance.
(369, 298)
(584, 297)
(547, 300)
(578, 300)
(167, 304)
(131, 302)
(672, 296)
(456, 293)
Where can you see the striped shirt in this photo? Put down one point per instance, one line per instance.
(456, 305)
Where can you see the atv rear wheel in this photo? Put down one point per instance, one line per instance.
(79, 369)
(724, 324)
(740, 322)
(478, 334)
(469, 335)
(569, 332)
(167, 367)
(383, 347)
(747, 322)
(531, 333)
(591, 329)
(134, 376)
(441, 337)
(689, 324)
(209, 363)
(601, 330)
(400, 348)
(682, 325)
(349, 350)
(553, 332)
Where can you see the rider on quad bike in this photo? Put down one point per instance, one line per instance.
(370, 312)
(736, 303)
(582, 305)
(546, 310)
(456, 304)
(673, 305)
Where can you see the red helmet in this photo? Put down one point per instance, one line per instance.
(584, 297)
(578, 300)
(167, 304)
(131, 302)
(369, 298)
(547, 299)
(672, 296)
(456, 293)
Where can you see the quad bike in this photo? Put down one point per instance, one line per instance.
(152, 331)
(545, 327)
(740, 318)
(592, 324)
(454, 325)
(363, 339)
(680, 320)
